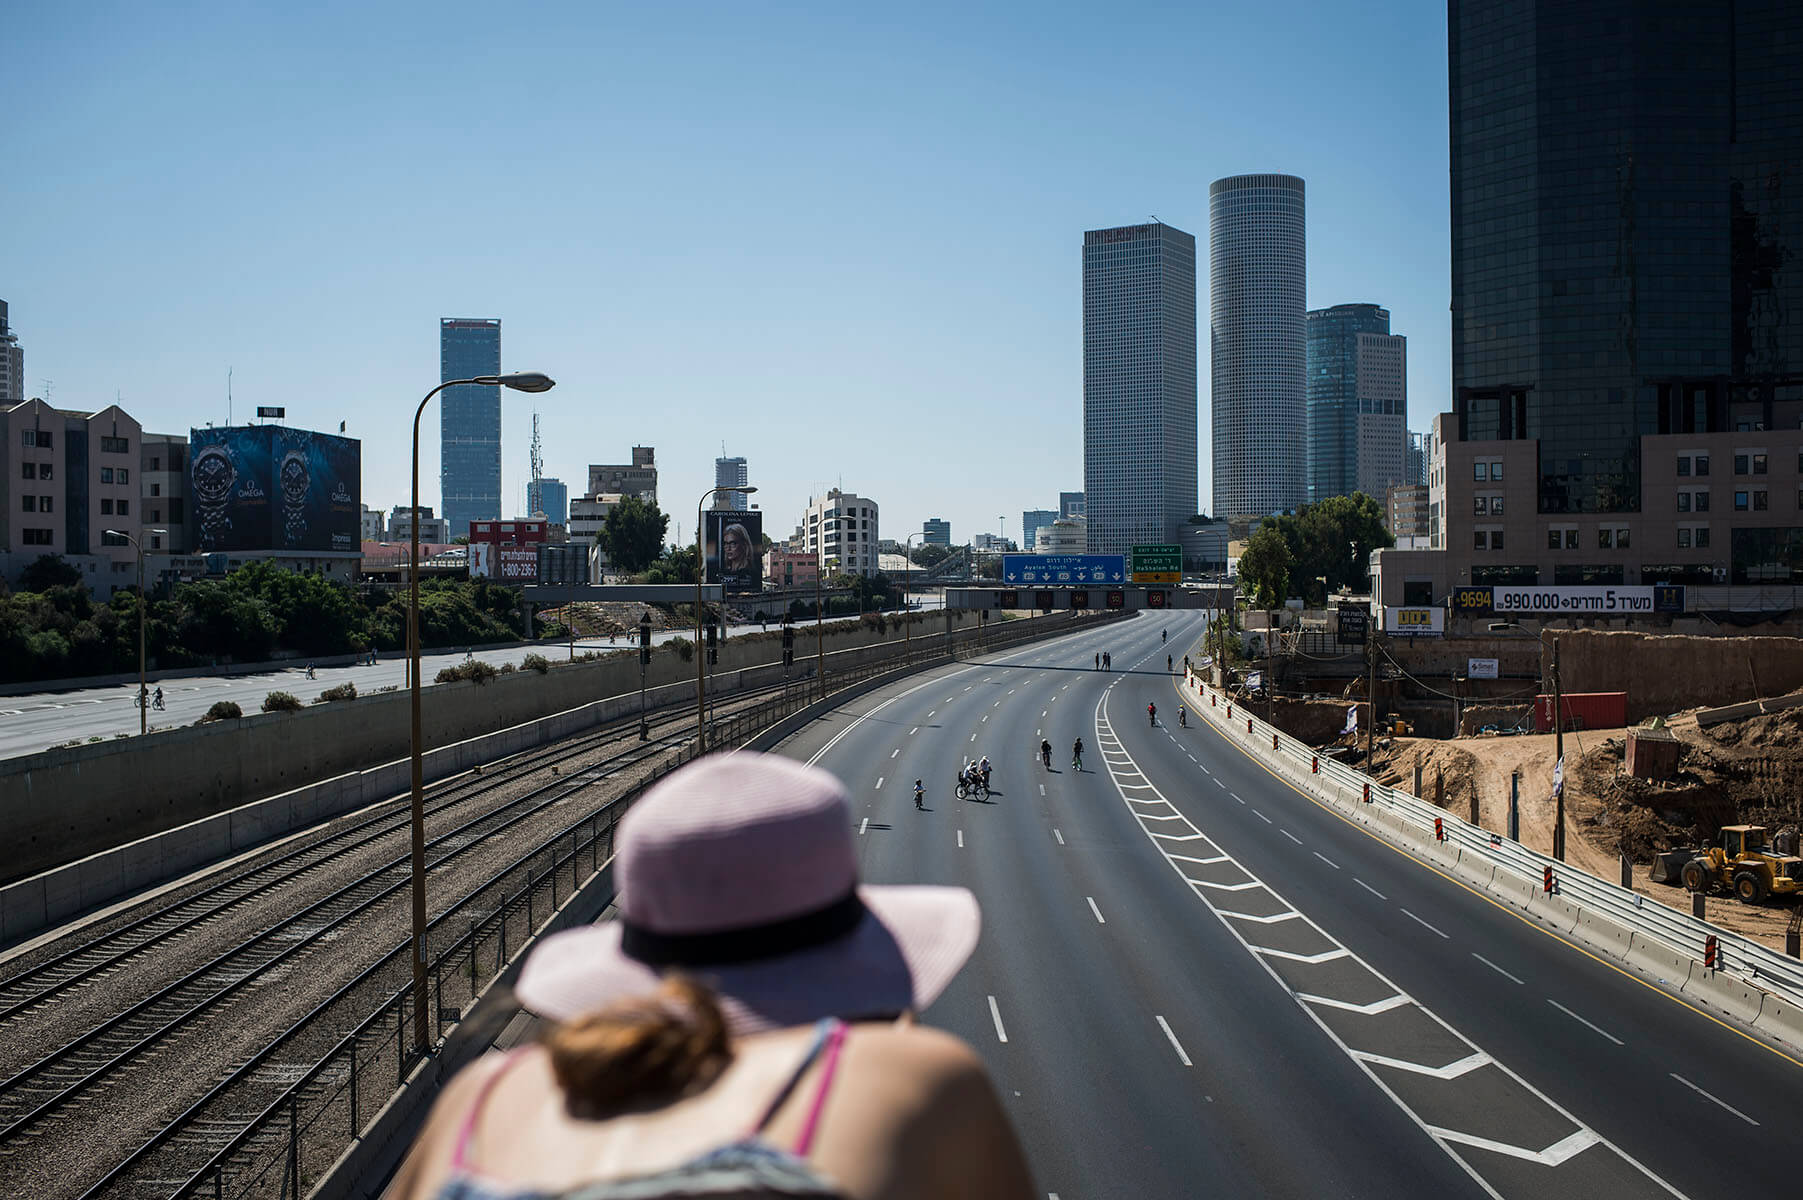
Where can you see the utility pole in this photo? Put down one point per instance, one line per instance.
(1270, 672)
(1559, 761)
(1370, 691)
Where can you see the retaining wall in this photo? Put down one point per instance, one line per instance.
(60, 805)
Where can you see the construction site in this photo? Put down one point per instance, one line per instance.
(1682, 753)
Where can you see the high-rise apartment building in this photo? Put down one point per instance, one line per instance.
(1358, 407)
(551, 497)
(1416, 469)
(12, 362)
(840, 531)
(469, 422)
(731, 472)
(936, 532)
(1257, 267)
(1071, 504)
(1031, 522)
(637, 478)
(1139, 384)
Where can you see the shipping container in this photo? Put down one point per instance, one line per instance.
(1583, 710)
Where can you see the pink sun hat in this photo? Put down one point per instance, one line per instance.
(740, 871)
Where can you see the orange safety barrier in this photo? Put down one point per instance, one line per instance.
(1273, 741)
(1367, 793)
(1248, 724)
(1314, 764)
(1709, 952)
(1439, 829)
(1546, 880)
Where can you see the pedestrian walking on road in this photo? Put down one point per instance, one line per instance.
(739, 1038)
(1108, 662)
(1098, 662)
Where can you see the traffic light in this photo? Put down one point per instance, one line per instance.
(788, 643)
(713, 643)
(645, 639)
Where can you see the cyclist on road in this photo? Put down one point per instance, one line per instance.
(143, 697)
(158, 699)
(1077, 754)
(1183, 716)
(1152, 713)
(1045, 754)
(983, 767)
(920, 795)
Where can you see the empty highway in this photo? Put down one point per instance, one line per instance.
(1193, 980)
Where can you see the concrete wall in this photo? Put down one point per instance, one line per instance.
(1663, 674)
(61, 805)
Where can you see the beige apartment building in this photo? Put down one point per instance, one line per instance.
(66, 478)
(1717, 510)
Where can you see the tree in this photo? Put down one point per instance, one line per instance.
(633, 536)
(1265, 566)
(48, 571)
(929, 556)
(1332, 539)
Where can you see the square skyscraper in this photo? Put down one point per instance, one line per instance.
(469, 423)
(1139, 384)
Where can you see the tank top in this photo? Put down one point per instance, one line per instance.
(749, 1168)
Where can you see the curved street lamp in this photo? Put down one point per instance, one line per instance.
(521, 381)
(143, 603)
(700, 648)
(908, 596)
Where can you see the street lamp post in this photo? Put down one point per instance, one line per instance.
(908, 598)
(700, 647)
(143, 603)
(527, 381)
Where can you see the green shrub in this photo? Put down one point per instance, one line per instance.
(474, 669)
(281, 702)
(684, 647)
(223, 710)
(535, 662)
(344, 691)
(508, 668)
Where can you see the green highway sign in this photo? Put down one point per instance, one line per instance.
(1155, 564)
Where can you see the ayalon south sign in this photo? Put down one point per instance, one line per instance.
(1063, 570)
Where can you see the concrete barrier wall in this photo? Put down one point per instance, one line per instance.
(1667, 673)
(60, 805)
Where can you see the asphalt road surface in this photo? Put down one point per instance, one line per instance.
(1194, 981)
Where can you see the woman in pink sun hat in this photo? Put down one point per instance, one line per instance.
(743, 1029)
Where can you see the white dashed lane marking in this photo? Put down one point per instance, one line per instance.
(1092, 908)
(1593, 1028)
(1001, 1035)
(1370, 889)
(1175, 1044)
(1497, 969)
(1411, 916)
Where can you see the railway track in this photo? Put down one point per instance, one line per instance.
(51, 978)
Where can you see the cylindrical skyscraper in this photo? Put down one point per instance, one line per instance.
(1257, 273)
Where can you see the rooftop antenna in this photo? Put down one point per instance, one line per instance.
(228, 396)
(48, 384)
(535, 492)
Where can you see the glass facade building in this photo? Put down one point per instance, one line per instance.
(469, 423)
(1358, 437)
(1031, 521)
(731, 472)
(1626, 230)
(551, 497)
(1257, 266)
(1139, 384)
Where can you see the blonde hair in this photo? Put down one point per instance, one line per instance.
(668, 1044)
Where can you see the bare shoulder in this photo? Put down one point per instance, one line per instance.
(930, 1052)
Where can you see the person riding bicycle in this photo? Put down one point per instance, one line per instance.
(1183, 716)
(1152, 712)
(920, 794)
(1045, 754)
(158, 700)
(1077, 754)
(983, 766)
(143, 696)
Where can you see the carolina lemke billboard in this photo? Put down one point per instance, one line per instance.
(269, 487)
(734, 557)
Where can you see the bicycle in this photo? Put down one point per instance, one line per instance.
(1076, 762)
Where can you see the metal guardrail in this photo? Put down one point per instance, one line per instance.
(1341, 785)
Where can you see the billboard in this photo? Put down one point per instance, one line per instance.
(734, 557)
(1559, 600)
(269, 487)
(509, 564)
(1415, 622)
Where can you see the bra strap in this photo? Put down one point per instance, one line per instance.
(835, 1042)
(823, 1030)
(467, 1129)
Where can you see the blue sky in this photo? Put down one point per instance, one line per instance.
(844, 241)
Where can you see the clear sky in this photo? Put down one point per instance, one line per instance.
(843, 240)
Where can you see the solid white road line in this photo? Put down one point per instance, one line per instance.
(1370, 889)
(1411, 916)
(1330, 862)
(1594, 1029)
(1497, 969)
(1291, 836)
(1095, 910)
(1059, 836)
(1001, 1035)
(863, 825)
(1175, 1044)
(1699, 1091)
